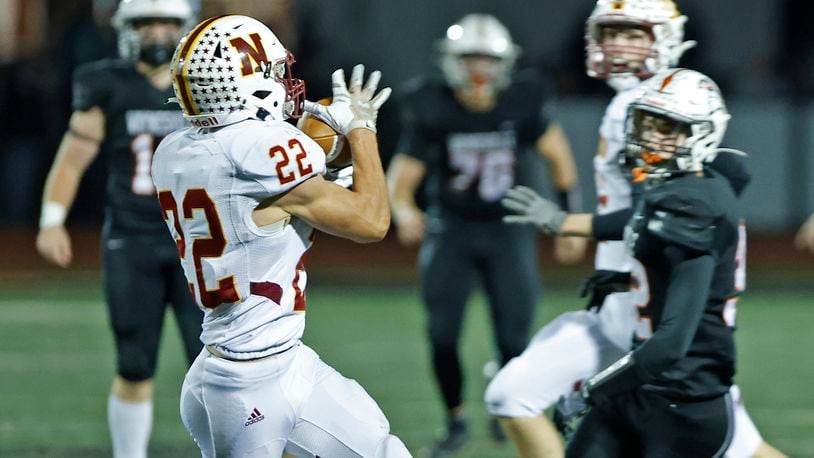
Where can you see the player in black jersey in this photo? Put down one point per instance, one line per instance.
(469, 135)
(669, 396)
(119, 109)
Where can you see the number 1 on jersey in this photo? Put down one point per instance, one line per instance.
(142, 147)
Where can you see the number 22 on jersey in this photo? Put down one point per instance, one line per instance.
(202, 247)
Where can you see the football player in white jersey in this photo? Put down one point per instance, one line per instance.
(626, 42)
(241, 191)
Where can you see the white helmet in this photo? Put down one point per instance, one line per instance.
(692, 102)
(231, 68)
(661, 18)
(477, 35)
(130, 12)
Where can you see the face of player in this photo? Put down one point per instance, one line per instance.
(659, 136)
(480, 92)
(625, 46)
(159, 37)
(481, 70)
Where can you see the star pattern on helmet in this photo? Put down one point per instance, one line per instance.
(212, 73)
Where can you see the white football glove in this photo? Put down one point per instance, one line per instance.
(533, 209)
(352, 108)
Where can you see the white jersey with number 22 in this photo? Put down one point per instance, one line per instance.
(249, 280)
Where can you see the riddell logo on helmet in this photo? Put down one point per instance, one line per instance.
(208, 122)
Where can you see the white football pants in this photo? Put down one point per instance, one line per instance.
(291, 402)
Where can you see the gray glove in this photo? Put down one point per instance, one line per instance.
(354, 107)
(533, 209)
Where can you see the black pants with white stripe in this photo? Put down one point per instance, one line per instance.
(645, 424)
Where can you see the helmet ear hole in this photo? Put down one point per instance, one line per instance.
(261, 94)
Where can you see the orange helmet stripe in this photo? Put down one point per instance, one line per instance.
(669, 79)
(183, 88)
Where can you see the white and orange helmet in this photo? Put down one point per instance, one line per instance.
(661, 18)
(231, 68)
(691, 100)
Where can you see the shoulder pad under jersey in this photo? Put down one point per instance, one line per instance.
(686, 211)
(275, 154)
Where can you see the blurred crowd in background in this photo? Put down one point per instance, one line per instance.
(755, 49)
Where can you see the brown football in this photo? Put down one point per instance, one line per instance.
(336, 147)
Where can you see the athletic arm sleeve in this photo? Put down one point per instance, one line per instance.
(611, 226)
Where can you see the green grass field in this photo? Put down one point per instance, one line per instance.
(56, 362)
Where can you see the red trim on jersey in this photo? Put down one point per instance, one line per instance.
(267, 289)
(299, 296)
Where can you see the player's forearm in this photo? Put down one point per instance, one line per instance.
(72, 159)
(403, 178)
(577, 225)
(61, 186)
(369, 185)
(402, 194)
(563, 174)
(553, 145)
